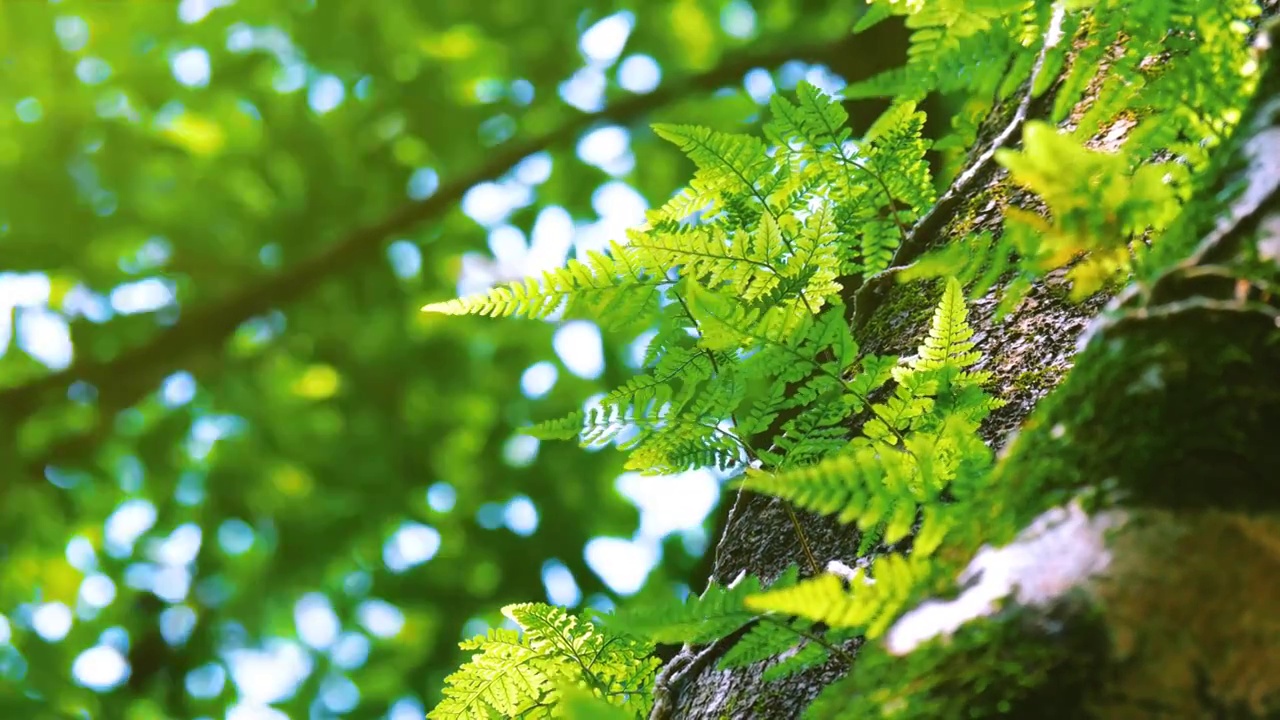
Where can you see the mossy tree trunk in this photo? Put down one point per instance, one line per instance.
(1152, 589)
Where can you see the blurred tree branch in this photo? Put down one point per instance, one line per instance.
(194, 341)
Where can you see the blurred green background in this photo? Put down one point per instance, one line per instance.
(243, 476)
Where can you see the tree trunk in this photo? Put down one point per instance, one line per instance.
(1160, 599)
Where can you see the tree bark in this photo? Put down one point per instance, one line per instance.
(1165, 589)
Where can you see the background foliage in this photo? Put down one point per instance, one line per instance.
(241, 468)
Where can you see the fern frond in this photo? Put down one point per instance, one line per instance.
(888, 187)
(606, 659)
(814, 128)
(870, 607)
(503, 678)
(726, 163)
(904, 411)
(764, 641)
(600, 425)
(709, 255)
(816, 119)
(949, 344)
(520, 674)
(945, 33)
(807, 655)
(614, 288)
(577, 703)
(561, 428)
(753, 361)
(685, 442)
(1098, 201)
(817, 260)
(726, 324)
(862, 485)
(718, 612)
(818, 431)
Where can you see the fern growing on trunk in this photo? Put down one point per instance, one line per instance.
(752, 278)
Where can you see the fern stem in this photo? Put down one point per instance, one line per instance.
(802, 538)
(893, 204)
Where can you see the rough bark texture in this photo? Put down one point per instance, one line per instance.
(1177, 406)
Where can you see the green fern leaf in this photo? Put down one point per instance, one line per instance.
(726, 162)
(762, 642)
(521, 674)
(615, 289)
(807, 655)
(949, 344)
(563, 428)
(718, 612)
(856, 486)
(504, 678)
(867, 606)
